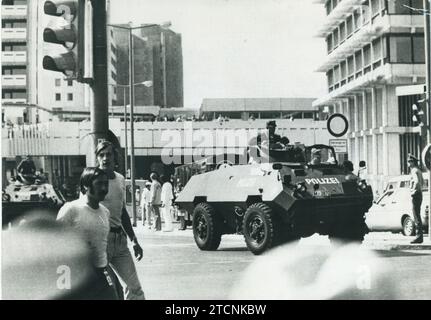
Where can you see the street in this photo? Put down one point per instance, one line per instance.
(174, 268)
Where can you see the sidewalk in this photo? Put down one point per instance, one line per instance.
(373, 240)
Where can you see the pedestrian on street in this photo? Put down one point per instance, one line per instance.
(119, 255)
(167, 196)
(156, 201)
(416, 185)
(145, 204)
(89, 217)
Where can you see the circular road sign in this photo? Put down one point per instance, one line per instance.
(337, 125)
(426, 156)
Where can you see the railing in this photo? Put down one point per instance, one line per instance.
(14, 80)
(14, 57)
(14, 34)
(71, 138)
(13, 101)
(17, 11)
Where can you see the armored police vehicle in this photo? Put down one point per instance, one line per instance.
(24, 197)
(298, 192)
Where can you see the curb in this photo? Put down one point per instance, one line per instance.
(382, 244)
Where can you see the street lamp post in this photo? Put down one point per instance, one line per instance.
(132, 105)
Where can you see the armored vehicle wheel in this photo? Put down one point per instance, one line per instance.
(206, 227)
(408, 227)
(259, 228)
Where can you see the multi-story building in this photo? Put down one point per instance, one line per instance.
(375, 46)
(31, 94)
(157, 58)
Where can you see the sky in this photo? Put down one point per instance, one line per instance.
(240, 48)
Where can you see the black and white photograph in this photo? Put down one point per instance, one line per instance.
(227, 152)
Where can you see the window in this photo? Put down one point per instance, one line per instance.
(375, 7)
(358, 60)
(308, 115)
(329, 42)
(57, 97)
(330, 77)
(367, 55)
(70, 83)
(377, 49)
(336, 38)
(357, 19)
(349, 25)
(343, 69)
(398, 7)
(14, 70)
(418, 49)
(400, 49)
(336, 74)
(57, 82)
(342, 32)
(366, 12)
(70, 97)
(350, 65)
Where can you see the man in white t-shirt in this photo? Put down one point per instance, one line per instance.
(91, 219)
(119, 255)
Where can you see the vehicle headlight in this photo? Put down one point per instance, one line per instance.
(362, 185)
(301, 187)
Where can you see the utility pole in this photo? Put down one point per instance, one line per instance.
(99, 112)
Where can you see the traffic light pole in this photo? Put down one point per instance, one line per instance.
(99, 112)
(428, 94)
(132, 131)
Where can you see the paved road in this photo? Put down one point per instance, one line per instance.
(174, 268)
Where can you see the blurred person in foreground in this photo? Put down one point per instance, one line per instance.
(295, 272)
(120, 226)
(89, 217)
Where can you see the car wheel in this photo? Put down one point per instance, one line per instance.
(259, 228)
(408, 227)
(207, 227)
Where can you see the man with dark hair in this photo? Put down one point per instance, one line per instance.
(119, 255)
(416, 184)
(88, 216)
(26, 170)
(270, 139)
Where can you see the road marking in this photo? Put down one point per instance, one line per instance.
(195, 263)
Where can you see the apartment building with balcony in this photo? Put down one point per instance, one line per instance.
(373, 48)
(31, 94)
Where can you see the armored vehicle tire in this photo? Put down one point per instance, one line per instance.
(408, 227)
(206, 227)
(260, 228)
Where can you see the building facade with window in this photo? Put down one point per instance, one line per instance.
(157, 58)
(27, 89)
(260, 108)
(374, 47)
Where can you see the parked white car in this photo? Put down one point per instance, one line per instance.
(393, 210)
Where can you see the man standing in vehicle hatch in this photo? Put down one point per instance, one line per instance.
(416, 184)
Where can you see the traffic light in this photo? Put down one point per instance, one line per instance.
(419, 116)
(75, 35)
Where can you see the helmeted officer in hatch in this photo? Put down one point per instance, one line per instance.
(270, 139)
